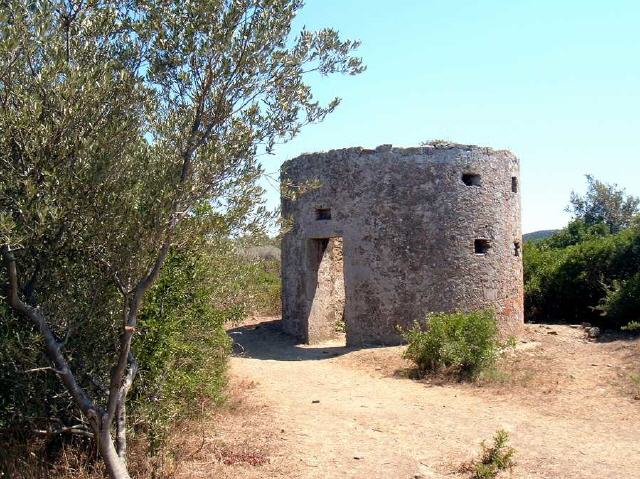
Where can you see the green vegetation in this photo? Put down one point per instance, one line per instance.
(495, 458)
(182, 347)
(622, 302)
(589, 271)
(181, 351)
(604, 204)
(129, 131)
(261, 276)
(632, 326)
(463, 343)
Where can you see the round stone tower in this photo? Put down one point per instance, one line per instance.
(379, 238)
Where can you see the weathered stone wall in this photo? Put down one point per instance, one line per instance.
(409, 219)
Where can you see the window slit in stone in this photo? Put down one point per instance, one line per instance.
(481, 246)
(471, 179)
(516, 248)
(514, 184)
(323, 213)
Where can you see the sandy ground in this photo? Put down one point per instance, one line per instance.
(327, 411)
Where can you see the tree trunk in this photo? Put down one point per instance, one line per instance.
(121, 431)
(116, 467)
(121, 409)
(101, 422)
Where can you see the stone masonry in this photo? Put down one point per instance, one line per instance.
(385, 236)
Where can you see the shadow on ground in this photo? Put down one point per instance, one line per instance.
(605, 336)
(266, 340)
(611, 336)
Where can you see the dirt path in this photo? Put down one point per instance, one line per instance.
(331, 412)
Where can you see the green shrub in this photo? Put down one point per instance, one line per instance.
(540, 268)
(633, 326)
(183, 347)
(465, 343)
(592, 280)
(622, 302)
(495, 458)
(259, 266)
(263, 286)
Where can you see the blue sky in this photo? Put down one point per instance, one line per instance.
(556, 82)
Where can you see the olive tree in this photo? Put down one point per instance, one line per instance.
(117, 120)
(605, 204)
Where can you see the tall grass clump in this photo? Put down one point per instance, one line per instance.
(462, 343)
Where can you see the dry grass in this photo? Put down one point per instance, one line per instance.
(634, 379)
(550, 367)
(549, 364)
(36, 457)
(238, 440)
(224, 439)
(39, 459)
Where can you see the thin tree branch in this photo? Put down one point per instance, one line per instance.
(78, 430)
(130, 323)
(52, 346)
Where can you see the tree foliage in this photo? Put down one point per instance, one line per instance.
(118, 121)
(182, 347)
(604, 204)
(621, 302)
(588, 270)
(577, 231)
(181, 351)
(569, 284)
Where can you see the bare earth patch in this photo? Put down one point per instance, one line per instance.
(329, 411)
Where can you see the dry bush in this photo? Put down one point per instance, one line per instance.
(493, 460)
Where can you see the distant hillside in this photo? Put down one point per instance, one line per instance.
(538, 235)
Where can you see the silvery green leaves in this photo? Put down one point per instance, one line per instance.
(119, 123)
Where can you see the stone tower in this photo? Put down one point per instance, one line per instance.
(379, 238)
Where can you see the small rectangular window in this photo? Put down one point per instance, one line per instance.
(471, 179)
(481, 246)
(516, 248)
(323, 213)
(514, 184)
